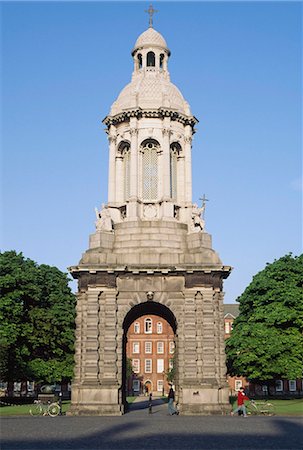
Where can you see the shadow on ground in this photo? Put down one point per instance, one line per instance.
(186, 433)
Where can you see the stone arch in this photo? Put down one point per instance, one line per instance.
(136, 311)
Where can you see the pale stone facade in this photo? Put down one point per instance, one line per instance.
(150, 253)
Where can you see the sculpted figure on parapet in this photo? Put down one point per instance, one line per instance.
(198, 222)
(104, 221)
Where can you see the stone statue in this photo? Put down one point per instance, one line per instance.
(198, 222)
(104, 221)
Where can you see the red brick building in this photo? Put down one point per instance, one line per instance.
(231, 311)
(150, 347)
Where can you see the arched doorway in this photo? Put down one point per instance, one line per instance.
(149, 345)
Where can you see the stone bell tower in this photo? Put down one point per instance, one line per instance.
(150, 253)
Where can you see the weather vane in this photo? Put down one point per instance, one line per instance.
(151, 11)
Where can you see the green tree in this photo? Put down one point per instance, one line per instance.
(37, 314)
(267, 337)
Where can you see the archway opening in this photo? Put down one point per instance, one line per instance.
(149, 343)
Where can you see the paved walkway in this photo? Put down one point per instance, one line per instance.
(157, 431)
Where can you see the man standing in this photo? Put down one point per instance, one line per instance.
(171, 399)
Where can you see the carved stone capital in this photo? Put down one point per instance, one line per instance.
(112, 139)
(188, 139)
(133, 131)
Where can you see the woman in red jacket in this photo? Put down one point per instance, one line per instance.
(240, 401)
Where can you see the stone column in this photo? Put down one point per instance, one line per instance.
(132, 207)
(180, 179)
(166, 163)
(91, 363)
(167, 202)
(190, 338)
(109, 329)
(112, 166)
(119, 179)
(209, 369)
(188, 173)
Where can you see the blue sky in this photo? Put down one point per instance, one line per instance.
(237, 64)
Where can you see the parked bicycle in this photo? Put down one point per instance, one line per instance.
(41, 409)
(266, 408)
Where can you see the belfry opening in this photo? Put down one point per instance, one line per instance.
(150, 254)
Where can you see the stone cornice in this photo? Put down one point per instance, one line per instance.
(154, 113)
(92, 275)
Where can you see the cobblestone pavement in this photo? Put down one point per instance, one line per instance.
(140, 430)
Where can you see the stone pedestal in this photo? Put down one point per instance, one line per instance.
(185, 276)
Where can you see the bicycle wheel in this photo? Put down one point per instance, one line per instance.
(269, 409)
(252, 408)
(36, 410)
(53, 409)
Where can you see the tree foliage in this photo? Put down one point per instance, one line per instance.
(267, 337)
(37, 314)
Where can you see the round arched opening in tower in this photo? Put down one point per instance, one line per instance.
(149, 350)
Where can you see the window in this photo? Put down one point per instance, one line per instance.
(171, 347)
(161, 60)
(227, 327)
(150, 170)
(265, 389)
(238, 384)
(136, 365)
(136, 347)
(160, 347)
(137, 328)
(279, 385)
(139, 61)
(148, 326)
(151, 60)
(160, 385)
(292, 385)
(148, 347)
(136, 385)
(171, 364)
(159, 327)
(148, 366)
(160, 365)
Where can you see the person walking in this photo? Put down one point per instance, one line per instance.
(240, 402)
(171, 398)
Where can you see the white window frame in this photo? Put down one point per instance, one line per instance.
(148, 365)
(136, 327)
(159, 327)
(148, 325)
(136, 347)
(136, 365)
(171, 347)
(279, 386)
(227, 328)
(238, 385)
(160, 385)
(160, 365)
(136, 385)
(148, 347)
(292, 385)
(160, 347)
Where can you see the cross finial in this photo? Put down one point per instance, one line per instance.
(151, 11)
(204, 199)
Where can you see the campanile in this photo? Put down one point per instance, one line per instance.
(150, 252)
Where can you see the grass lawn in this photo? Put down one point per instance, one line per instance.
(23, 410)
(282, 408)
(292, 407)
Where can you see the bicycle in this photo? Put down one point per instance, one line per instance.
(41, 409)
(266, 408)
